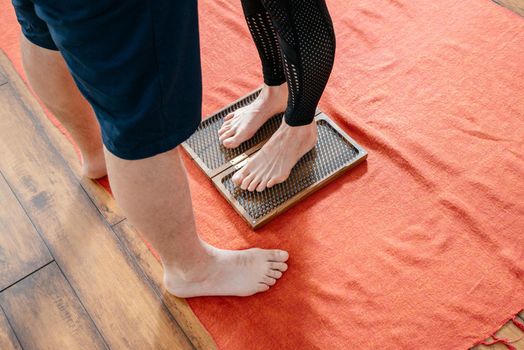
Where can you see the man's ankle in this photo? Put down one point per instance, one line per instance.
(191, 270)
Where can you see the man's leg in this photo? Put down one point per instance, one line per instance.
(61, 96)
(154, 195)
(145, 111)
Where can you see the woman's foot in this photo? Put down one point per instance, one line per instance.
(273, 163)
(229, 272)
(242, 124)
(94, 166)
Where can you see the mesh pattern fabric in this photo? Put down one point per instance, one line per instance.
(266, 40)
(308, 57)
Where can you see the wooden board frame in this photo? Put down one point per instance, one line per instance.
(257, 223)
(217, 175)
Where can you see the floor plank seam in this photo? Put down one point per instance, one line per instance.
(104, 219)
(32, 224)
(133, 260)
(11, 326)
(92, 197)
(26, 276)
(87, 193)
(47, 246)
(118, 223)
(83, 306)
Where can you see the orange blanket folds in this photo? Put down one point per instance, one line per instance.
(422, 247)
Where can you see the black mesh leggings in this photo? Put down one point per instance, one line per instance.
(296, 43)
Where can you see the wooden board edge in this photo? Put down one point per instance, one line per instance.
(50, 284)
(217, 181)
(308, 191)
(258, 223)
(342, 132)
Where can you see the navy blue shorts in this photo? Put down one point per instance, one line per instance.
(137, 62)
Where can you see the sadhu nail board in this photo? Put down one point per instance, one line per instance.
(334, 153)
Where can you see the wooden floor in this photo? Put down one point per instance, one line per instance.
(74, 274)
(516, 6)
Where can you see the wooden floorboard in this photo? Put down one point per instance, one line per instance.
(102, 199)
(132, 240)
(46, 314)
(510, 332)
(114, 291)
(8, 340)
(516, 6)
(22, 251)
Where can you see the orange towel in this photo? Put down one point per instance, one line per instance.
(422, 247)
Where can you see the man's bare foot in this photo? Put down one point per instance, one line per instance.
(94, 166)
(229, 272)
(243, 123)
(273, 163)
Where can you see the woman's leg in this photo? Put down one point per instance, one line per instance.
(307, 40)
(242, 124)
(122, 83)
(266, 40)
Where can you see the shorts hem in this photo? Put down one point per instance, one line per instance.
(152, 149)
(41, 43)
